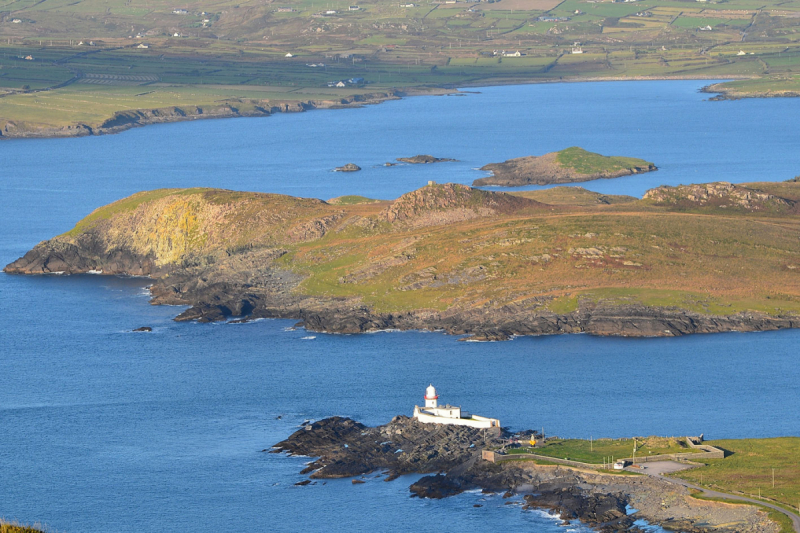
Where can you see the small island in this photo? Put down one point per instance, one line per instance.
(349, 167)
(570, 165)
(424, 160)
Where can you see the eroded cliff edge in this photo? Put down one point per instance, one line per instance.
(452, 258)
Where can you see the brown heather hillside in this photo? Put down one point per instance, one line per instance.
(456, 258)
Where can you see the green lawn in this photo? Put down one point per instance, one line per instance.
(749, 469)
(595, 452)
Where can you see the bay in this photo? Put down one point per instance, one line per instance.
(107, 430)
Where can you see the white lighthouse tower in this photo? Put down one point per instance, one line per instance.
(431, 397)
(433, 413)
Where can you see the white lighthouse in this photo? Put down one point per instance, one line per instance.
(431, 397)
(433, 413)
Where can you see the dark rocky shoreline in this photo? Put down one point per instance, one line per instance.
(451, 456)
(253, 287)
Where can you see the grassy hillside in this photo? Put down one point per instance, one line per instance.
(586, 162)
(6, 527)
(444, 246)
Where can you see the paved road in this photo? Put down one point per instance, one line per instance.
(658, 473)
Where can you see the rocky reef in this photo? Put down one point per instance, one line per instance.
(567, 166)
(349, 167)
(423, 159)
(451, 456)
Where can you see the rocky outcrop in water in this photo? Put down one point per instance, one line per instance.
(349, 167)
(424, 159)
(548, 169)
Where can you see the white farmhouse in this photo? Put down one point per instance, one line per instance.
(433, 413)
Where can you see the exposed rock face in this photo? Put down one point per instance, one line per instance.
(423, 159)
(721, 194)
(349, 167)
(546, 170)
(452, 202)
(346, 448)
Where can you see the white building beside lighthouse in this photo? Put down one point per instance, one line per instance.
(433, 413)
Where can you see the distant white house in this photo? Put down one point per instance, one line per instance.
(706, 28)
(179, 11)
(142, 45)
(511, 54)
(176, 34)
(16, 21)
(289, 54)
(576, 48)
(741, 53)
(433, 413)
(330, 12)
(341, 84)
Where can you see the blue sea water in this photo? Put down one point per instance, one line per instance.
(104, 430)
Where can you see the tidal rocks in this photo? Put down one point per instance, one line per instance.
(567, 166)
(143, 329)
(349, 167)
(424, 159)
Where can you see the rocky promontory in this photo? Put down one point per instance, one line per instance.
(451, 456)
(452, 258)
(233, 108)
(567, 166)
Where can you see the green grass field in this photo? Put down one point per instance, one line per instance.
(235, 49)
(586, 162)
(601, 451)
(748, 469)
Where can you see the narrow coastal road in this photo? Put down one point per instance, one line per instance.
(714, 494)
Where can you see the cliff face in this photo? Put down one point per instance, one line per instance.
(444, 257)
(555, 167)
